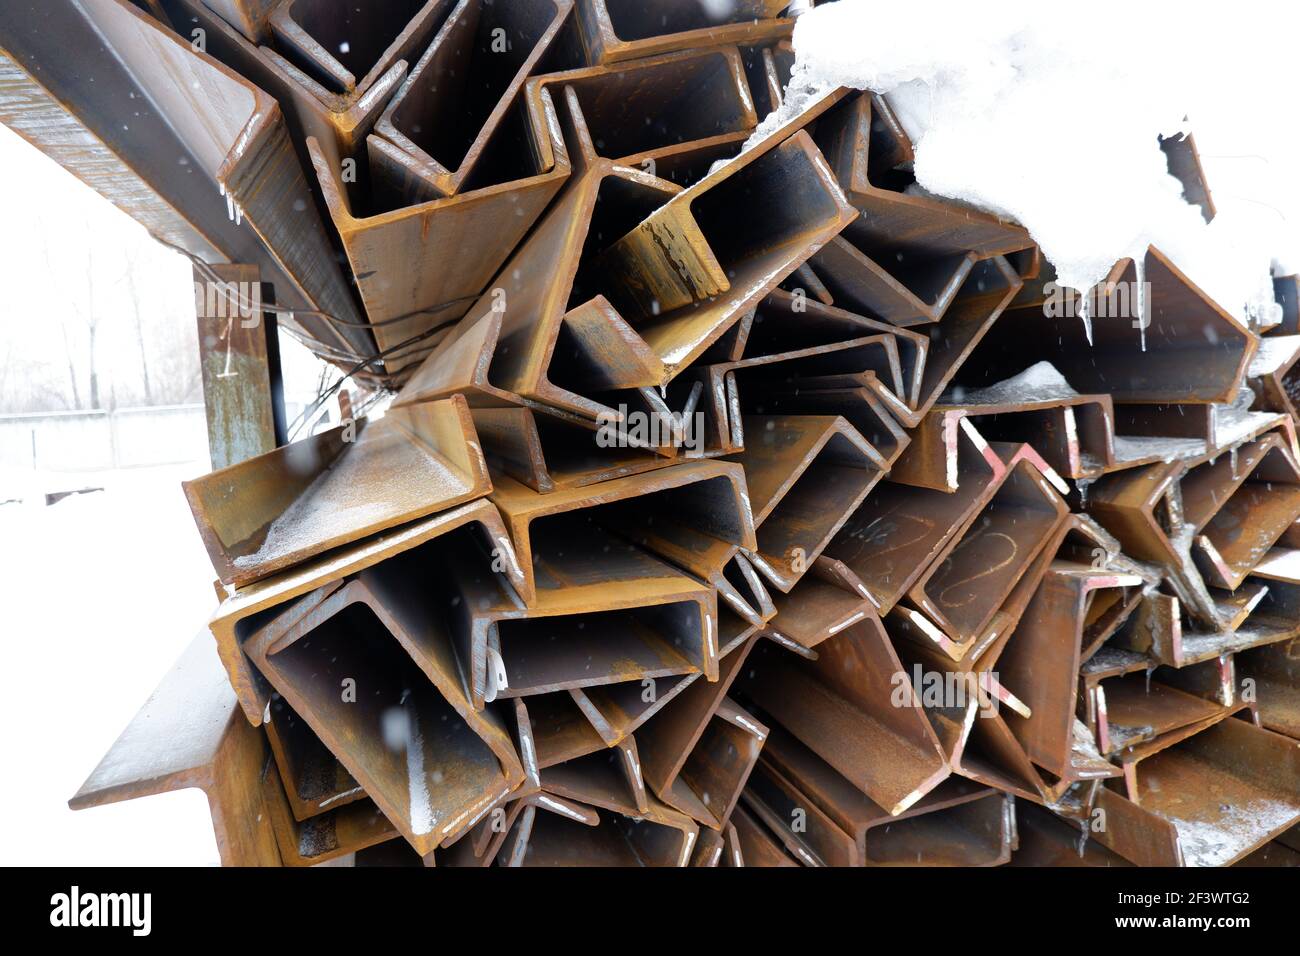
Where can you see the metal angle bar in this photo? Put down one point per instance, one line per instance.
(256, 606)
(305, 489)
(189, 733)
(411, 738)
(841, 706)
(613, 30)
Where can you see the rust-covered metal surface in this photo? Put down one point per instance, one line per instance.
(712, 499)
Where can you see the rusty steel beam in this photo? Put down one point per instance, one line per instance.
(806, 474)
(1042, 662)
(327, 836)
(898, 531)
(190, 734)
(1274, 374)
(391, 228)
(1163, 355)
(341, 51)
(626, 616)
(687, 273)
(815, 610)
(698, 751)
(764, 384)
(279, 601)
(1239, 506)
(307, 485)
(410, 735)
(464, 85)
(1209, 800)
(614, 30)
(822, 819)
(342, 118)
(314, 782)
(502, 351)
(545, 453)
(975, 572)
(1270, 675)
(908, 255)
(697, 103)
(1047, 839)
(249, 17)
(842, 706)
(694, 515)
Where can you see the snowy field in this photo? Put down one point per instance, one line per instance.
(102, 592)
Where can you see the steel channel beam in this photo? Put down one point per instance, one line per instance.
(284, 597)
(465, 84)
(841, 706)
(1209, 800)
(341, 51)
(613, 30)
(314, 782)
(297, 508)
(698, 751)
(411, 738)
(823, 820)
(1163, 356)
(624, 616)
(693, 515)
(967, 582)
(806, 475)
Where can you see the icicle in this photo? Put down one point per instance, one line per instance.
(1085, 314)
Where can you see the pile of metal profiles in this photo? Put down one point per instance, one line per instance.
(725, 500)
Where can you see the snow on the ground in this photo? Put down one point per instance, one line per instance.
(101, 593)
(1049, 114)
